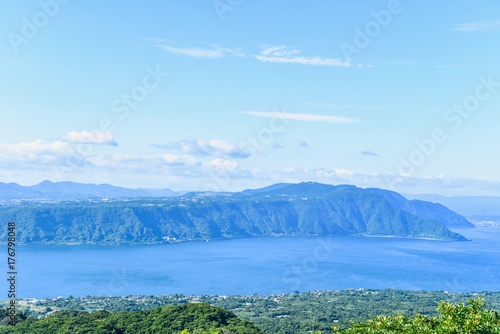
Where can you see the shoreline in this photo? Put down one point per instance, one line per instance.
(248, 296)
(229, 238)
(404, 237)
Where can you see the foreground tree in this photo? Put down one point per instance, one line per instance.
(459, 318)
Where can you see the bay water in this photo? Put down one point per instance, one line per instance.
(262, 265)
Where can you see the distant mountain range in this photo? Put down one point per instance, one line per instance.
(305, 209)
(469, 206)
(72, 190)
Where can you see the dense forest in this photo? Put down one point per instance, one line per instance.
(188, 318)
(285, 313)
(306, 209)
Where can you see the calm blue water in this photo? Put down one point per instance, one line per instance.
(262, 265)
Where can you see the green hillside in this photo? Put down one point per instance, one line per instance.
(381, 312)
(188, 318)
(306, 209)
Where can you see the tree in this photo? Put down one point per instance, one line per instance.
(472, 318)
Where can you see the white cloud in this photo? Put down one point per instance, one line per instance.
(37, 146)
(212, 51)
(278, 51)
(87, 137)
(481, 26)
(281, 54)
(37, 160)
(272, 54)
(223, 165)
(226, 174)
(142, 161)
(62, 155)
(173, 159)
(198, 147)
(216, 146)
(193, 52)
(38, 152)
(303, 117)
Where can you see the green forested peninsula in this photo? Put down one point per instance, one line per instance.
(305, 209)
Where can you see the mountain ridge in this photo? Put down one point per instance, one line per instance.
(67, 190)
(468, 206)
(303, 209)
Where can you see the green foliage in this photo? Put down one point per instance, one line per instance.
(453, 319)
(188, 318)
(293, 312)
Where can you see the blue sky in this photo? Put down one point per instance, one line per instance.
(235, 94)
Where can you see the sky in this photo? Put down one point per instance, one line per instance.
(226, 95)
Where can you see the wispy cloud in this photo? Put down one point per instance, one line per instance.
(88, 137)
(481, 26)
(193, 52)
(142, 161)
(269, 54)
(303, 117)
(210, 51)
(198, 147)
(283, 54)
(370, 154)
(342, 106)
